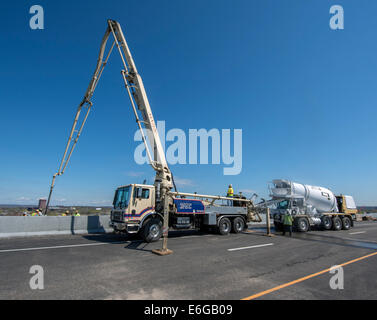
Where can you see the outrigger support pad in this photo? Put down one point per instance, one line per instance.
(162, 252)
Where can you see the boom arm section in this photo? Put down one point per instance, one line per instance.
(139, 101)
(137, 94)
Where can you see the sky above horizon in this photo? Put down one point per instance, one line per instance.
(303, 94)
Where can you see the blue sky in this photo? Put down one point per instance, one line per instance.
(303, 94)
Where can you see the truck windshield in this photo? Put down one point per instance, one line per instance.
(283, 204)
(122, 197)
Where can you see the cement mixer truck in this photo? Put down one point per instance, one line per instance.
(310, 207)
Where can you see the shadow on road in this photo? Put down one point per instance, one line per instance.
(318, 236)
(138, 245)
(134, 242)
(107, 237)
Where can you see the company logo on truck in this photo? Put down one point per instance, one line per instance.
(189, 206)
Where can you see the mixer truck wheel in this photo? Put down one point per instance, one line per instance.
(152, 230)
(336, 224)
(302, 224)
(238, 225)
(224, 226)
(326, 223)
(346, 223)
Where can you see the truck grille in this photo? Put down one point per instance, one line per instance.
(117, 216)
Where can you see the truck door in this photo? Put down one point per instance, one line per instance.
(296, 206)
(142, 199)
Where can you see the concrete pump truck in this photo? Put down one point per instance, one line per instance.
(151, 210)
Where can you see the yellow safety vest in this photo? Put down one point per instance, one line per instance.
(230, 192)
(287, 220)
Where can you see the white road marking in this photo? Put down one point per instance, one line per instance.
(89, 244)
(59, 247)
(256, 246)
(357, 232)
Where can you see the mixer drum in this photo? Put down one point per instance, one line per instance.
(320, 198)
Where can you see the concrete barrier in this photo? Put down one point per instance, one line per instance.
(40, 225)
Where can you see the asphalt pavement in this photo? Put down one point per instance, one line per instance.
(203, 266)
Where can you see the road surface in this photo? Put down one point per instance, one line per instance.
(203, 266)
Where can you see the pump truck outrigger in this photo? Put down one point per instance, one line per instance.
(151, 210)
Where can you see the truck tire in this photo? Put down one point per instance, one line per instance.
(326, 222)
(238, 225)
(224, 226)
(302, 224)
(336, 224)
(152, 230)
(346, 223)
(278, 226)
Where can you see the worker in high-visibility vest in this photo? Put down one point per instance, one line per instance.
(230, 194)
(287, 224)
(77, 214)
(230, 191)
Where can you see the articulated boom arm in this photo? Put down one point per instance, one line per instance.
(139, 101)
(136, 91)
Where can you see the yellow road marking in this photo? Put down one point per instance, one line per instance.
(257, 295)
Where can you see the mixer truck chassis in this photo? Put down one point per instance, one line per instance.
(328, 221)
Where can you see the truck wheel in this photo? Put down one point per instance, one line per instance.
(302, 225)
(238, 225)
(152, 230)
(224, 226)
(278, 226)
(346, 223)
(326, 223)
(336, 224)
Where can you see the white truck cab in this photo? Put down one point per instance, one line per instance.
(132, 204)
